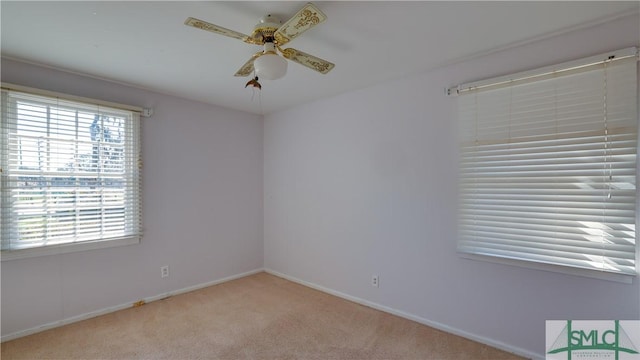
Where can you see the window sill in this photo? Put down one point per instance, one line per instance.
(595, 274)
(8, 255)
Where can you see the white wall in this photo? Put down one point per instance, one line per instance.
(365, 183)
(202, 194)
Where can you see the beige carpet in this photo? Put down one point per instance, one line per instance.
(256, 317)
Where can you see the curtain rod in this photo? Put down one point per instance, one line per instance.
(544, 71)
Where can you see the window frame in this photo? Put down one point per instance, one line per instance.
(99, 243)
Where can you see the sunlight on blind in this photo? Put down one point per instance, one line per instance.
(548, 169)
(70, 172)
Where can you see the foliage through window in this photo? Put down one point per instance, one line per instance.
(70, 172)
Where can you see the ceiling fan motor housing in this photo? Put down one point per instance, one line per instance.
(264, 30)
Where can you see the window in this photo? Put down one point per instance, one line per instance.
(548, 166)
(70, 175)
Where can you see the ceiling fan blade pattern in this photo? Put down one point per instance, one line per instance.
(247, 68)
(310, 61)
(308, 17)
(200, 24)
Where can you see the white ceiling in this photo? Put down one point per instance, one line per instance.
(146, 44)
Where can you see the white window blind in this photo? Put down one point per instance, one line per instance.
(548, 167)
(70, 173)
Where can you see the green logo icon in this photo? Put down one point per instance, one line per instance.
(591, 341)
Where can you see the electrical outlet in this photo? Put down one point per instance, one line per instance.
(164, 271)
(375, 281)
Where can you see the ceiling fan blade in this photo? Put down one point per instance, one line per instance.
(247, 68)
(200, 24)
(310, 61)
(308, 17)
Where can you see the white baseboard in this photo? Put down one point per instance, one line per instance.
(111, 309)
(434, 324)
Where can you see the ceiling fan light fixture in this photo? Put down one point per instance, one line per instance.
(270, 66)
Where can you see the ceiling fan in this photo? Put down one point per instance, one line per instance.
(272, 34)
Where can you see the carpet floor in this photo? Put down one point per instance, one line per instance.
(256, 317)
